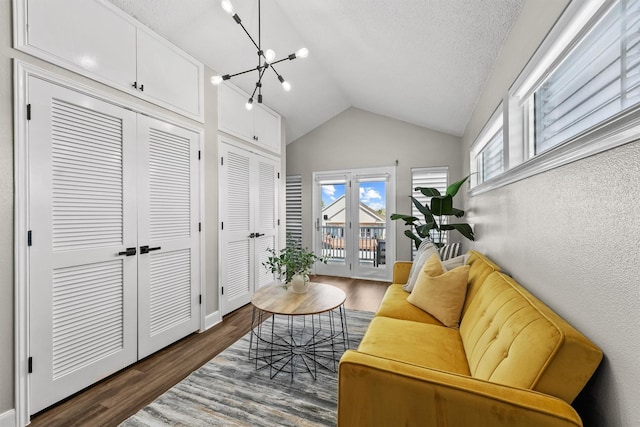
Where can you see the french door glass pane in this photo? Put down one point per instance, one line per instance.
(372, 223)
(333, 222)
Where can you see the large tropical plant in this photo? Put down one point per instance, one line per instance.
(434, 224)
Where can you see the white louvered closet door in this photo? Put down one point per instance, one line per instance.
(82, 204)
(237, 267)
(168, 235)
(266, 215)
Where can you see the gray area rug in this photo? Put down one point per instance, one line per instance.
(229, 391)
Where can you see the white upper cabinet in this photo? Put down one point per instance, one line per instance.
(92, 37)
(260, 126)
(233, 118)
(166, 74)
(96, 39)
(267, 129)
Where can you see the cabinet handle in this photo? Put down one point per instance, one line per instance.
(128, 252)
(258, 234)
(141, 88)
(252, 235)
(255, 137)
(135, 85)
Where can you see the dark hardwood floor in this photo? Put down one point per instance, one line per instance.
(121, 395)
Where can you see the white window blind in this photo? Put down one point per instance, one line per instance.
(294, 207)
(598, 79)
(491, 158)
(435, 177)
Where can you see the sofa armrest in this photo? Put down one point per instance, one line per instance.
(373, 391)
(401, 270)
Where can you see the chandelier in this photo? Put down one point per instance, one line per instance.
(266, 59)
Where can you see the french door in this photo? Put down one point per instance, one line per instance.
(352, 229)
(248, 194)
(113, 240)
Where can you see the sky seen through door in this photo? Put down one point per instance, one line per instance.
(372, 194)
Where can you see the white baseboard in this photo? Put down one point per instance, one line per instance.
(209, 321)
(8, 419)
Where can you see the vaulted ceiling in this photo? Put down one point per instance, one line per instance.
(421, 61)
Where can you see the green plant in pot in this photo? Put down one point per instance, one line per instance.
(292, 264)
(434, 225)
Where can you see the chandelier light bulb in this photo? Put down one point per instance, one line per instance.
(227, 6)
(249, 104)
(286, 86)
(269, 55)
(302, 53)
(216, 80)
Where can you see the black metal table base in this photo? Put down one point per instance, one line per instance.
(293, 344)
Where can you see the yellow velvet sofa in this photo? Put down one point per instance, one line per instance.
(512, 362)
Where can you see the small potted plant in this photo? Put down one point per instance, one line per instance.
(292, 264)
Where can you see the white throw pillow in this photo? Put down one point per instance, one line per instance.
(425, 251)
(458, 261)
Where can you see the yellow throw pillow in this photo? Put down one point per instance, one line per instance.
(441, 294)
(433, 266)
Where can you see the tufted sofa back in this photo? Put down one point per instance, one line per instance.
(512, 338)
(480, 268)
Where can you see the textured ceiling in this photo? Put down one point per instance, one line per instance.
(421, 61)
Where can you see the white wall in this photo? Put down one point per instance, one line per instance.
(571, 236)
(7, 194)
(359, 139)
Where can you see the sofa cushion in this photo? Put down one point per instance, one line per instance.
(395, 305)
(480, 268)
(441, 294)
(416, 343)
(452, 263)
(512, 338)
(451, 250)
(425, 251)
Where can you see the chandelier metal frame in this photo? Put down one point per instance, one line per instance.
(266, 59)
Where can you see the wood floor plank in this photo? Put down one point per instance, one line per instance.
(121, 395)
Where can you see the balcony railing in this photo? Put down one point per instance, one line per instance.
(371, 244)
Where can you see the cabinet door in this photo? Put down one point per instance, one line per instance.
(88, 35)
(82, 213)
(237, 264)
(233, 117)
(168, 216)
(265, 204)
(168, 76)
(267, 129)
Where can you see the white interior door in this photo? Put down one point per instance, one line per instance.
(168, 235)
(266, 215)
(236, 227)
(248, 192)
(82, 216)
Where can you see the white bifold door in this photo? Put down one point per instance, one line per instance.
(113, 233)
(248, 194)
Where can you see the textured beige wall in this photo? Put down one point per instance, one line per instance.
(359, 139)
(6, 189)
(572, 236)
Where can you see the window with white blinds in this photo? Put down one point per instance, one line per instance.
(434, 177)
(597, 80)
(294, 207)
(490, 159)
